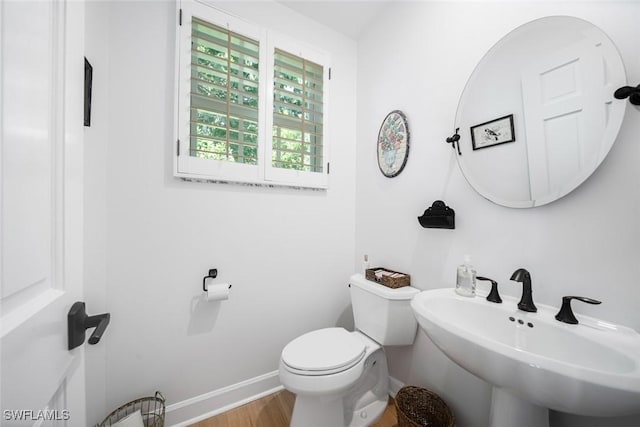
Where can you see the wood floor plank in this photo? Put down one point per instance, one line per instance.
(275, 411)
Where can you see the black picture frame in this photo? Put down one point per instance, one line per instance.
(88, 85)
(494, 132)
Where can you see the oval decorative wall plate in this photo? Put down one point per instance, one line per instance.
(393, 144)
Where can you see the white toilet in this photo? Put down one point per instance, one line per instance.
(340, 378)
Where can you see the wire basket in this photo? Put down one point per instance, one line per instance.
(419, 407)
(151, 408)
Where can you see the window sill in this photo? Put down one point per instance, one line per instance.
(248, 183)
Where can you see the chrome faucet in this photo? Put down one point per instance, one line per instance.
(526, 302)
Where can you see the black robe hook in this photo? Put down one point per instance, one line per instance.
(453, 139)
(633, 93)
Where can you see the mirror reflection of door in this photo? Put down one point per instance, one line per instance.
(556, 77)
(565, 97)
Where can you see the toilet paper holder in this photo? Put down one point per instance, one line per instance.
(213, 273)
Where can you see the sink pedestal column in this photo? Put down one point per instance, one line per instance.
(508, 410)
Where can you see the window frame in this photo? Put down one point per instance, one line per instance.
(187, 166)
(264, 173)
(314, 179)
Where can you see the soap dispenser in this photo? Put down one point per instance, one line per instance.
(466, 279)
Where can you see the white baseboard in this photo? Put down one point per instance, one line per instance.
(190, 411)
(394, 386)
(207, 405)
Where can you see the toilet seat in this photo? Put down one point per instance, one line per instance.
(323, 352)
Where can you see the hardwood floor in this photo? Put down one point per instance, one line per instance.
(275, 411)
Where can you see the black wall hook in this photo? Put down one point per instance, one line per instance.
(454, 140)
(633, 93)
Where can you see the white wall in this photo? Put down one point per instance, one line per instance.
(96, 143)
(287, 253)
(148, 247)
(417, 57)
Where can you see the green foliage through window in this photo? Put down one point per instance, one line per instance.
(298, 113)
(224, 94)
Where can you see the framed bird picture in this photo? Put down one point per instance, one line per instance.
(494, 132)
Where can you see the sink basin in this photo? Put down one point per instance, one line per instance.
(533, 360)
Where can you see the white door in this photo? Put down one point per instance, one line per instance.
(41, 107)
(565, 98)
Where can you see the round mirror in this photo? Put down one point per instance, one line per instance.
(538, 115)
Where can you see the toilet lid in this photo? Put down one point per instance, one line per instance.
(330, 349)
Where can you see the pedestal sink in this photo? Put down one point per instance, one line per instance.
(534, 362)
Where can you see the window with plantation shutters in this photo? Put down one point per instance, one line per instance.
(224, 94)
(297, 113)
(297, 147)
(251, 104)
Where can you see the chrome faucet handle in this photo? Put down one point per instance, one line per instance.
(566, 314)
(493, 296)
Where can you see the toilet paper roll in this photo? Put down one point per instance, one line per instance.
(218, 292)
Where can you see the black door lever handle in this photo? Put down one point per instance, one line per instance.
(100, 322)
(78, 322)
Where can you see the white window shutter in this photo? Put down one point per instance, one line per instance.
(252, 106)
(220, 121)
(297, 149)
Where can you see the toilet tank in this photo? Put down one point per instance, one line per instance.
(383, 314)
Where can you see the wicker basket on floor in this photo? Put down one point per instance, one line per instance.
(419, 407)
(151, 408)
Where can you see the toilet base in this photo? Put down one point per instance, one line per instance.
(322, 412)
(359, 406)
(317, 411)
(369, 414)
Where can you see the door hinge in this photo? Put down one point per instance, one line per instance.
(328, 167)
(180, 17)
(329, 73)
(178, 148)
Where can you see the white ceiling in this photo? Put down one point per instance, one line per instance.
(349, 17)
